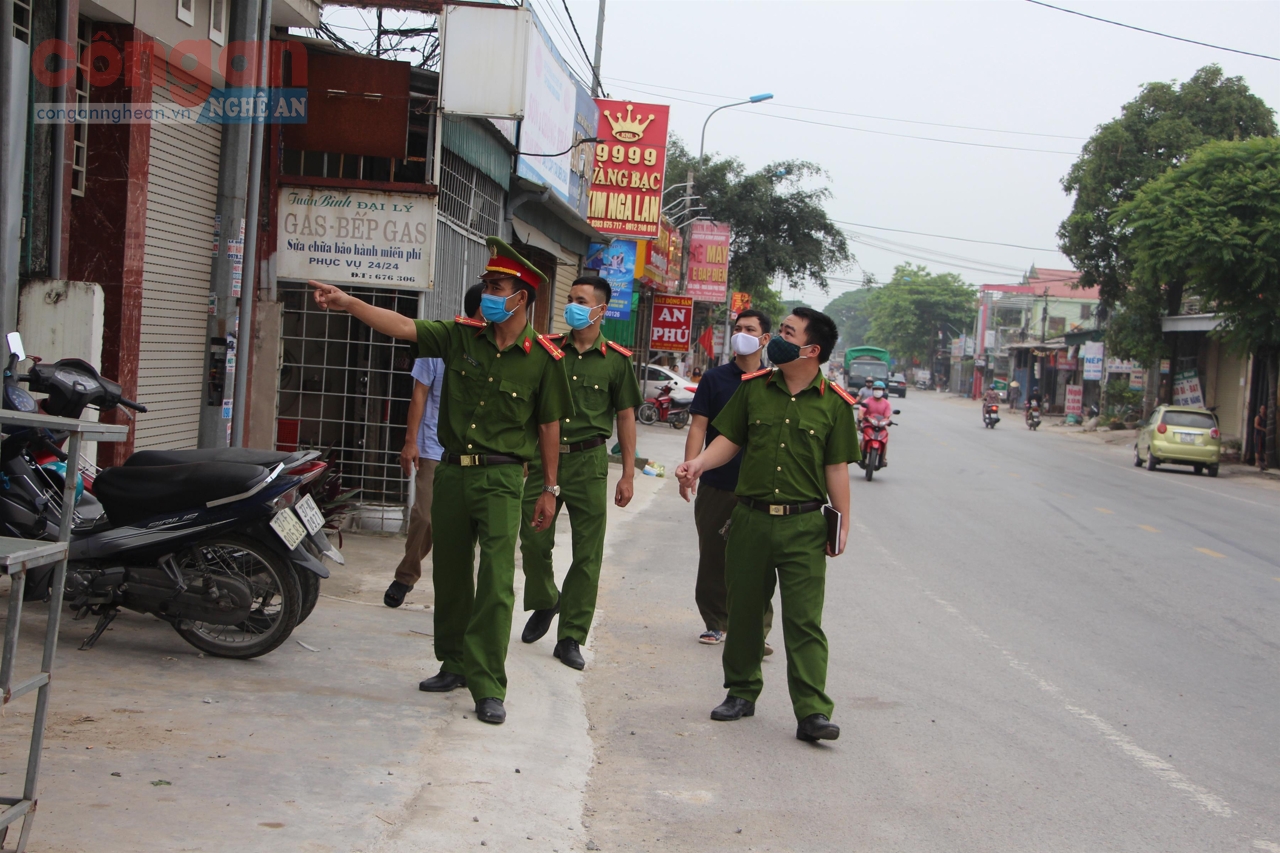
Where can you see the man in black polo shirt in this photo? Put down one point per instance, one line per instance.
(715, 498)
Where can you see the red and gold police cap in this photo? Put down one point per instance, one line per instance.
(506, 260)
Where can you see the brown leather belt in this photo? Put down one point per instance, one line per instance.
(781, 509)
(582, 445)
(469, 459)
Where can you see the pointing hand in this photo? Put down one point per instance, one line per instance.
(329, 297)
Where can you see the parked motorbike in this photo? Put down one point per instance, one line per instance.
(219, 547)
(990, 415)
(875, 440)
(1033, 415)
(663, 408)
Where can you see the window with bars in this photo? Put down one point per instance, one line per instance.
(355, 167)
(22, 20)
(345, 386)
(80, 130)
(468, 197)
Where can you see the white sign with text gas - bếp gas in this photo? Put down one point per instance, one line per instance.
(351, 237)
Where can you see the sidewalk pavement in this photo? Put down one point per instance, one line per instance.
(326, 744)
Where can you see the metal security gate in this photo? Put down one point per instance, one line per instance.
(470, 209)
(182, 194)
(346, 387)
(460, 261)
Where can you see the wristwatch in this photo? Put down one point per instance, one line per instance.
(554, 490)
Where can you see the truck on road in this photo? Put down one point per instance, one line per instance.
(861, 362)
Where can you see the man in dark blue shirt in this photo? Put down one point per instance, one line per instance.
(715, 497)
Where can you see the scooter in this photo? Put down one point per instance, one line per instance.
(990, 415)
(1033, 415)
(875, 440)
(663, 408)
(215, 548)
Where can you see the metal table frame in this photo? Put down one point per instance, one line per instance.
(16, 557)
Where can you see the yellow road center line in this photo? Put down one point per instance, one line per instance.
(1148, 528)
(1066, 494)
(1012, 474)
(1104, 510)
(1210, 553)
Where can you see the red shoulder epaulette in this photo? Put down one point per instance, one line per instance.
(467, 321)
(555, 351)
(844, 395)
(764, 372)
(620, 349)
(557, 336)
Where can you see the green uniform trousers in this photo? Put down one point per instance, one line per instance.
(789, 551)
(473, 608)
(584, 489)
(712, 509)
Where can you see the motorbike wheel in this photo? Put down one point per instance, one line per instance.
(873, 462)
(647, 414)
(679, 420)
(309, 583)
(277, 599)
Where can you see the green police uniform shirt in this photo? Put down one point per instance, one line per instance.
(492, 401)
(602, 383)
(787, 440)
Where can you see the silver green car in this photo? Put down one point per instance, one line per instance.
(1179, 435)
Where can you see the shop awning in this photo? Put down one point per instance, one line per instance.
(1075, 339)
(1190, 323)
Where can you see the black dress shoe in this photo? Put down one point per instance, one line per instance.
(394, 596)
(733, 708)
(568, 653)
(539, 622)
(443, 682)
(817, 727)
(491, 711)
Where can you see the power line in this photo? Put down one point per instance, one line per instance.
(762, 114)
(590, 64)
(857, 115)
(549, 14)
(1154, 33)
(943, 236)
(926, 250)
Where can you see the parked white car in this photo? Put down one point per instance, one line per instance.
(655, 377)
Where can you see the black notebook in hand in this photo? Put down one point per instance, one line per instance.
(833, 517)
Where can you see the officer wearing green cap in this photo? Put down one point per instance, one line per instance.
(603, 385)
(798, 437)
(503, 398)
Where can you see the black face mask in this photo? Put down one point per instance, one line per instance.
(782, 351)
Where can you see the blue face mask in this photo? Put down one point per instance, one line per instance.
(494, 308)
(577, 316)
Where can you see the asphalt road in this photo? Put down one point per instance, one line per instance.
(1035, 646)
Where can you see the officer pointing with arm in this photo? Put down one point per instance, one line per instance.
(503, 398)
(603, 384)
(796, 431)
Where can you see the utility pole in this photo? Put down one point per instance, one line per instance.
(597, 87)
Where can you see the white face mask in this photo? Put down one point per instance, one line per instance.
(877, 393)
(745, 344)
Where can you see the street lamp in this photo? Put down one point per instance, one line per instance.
(688, 225)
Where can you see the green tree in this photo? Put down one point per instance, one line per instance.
(852, 316)
(1158, 129)
(1214, 222)
(908, 311)
(781, 232)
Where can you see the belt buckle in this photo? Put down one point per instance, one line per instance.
(469, 459)
(777, 509)
(564, 448)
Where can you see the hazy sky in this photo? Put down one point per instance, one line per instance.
(1045, 78)
(1009, 66)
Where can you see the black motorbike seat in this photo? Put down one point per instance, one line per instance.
(242, 455)
(131, 494)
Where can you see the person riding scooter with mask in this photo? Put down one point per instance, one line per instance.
(877, 405)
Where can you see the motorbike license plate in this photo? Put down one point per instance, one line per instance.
(288, 528)
(310, 514)
(1187, 438)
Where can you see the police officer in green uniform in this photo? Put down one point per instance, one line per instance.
(603, 384)
(798, 433)
(503, 398)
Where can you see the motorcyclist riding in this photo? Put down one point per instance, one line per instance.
(877, 405)
(992, 397)
(865, 391)
(1032, 398)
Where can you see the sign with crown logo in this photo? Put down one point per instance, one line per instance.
(631, 159)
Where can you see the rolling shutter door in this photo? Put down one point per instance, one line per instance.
(182, 192)
(1229, 393)
(565, 274)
